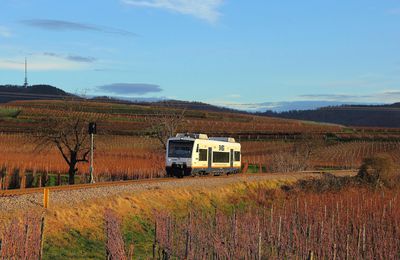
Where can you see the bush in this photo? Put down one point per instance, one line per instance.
(379, 170)
(327, 183)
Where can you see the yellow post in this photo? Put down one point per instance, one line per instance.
(311, 255)
(46, 198)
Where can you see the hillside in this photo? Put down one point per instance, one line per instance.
(132, 119)
(35, 92)
(44, 92)
(349, 115)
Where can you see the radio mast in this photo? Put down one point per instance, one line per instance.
(26, 74)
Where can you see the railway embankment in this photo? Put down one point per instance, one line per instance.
(67, 196)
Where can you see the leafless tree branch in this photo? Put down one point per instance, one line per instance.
(165, 123)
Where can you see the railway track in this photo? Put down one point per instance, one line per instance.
(18, 192)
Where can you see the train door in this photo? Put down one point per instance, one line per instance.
(209, 158)
(232, 158)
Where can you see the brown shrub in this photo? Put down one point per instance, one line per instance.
(327, 183)
(379, 170)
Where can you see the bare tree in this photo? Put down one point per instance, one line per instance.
(69, 134)
(165, 123)
(305, 148)
(299, 158)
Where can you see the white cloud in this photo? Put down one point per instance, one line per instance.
(41, 63)
(203, 9)
(5, 32)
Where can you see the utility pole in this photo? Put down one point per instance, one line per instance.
(92, 132)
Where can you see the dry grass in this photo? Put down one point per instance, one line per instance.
(89, 215)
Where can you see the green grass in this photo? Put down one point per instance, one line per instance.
(347, 130)
(52, 179)
(75, 245)
(255, 169)
(140, 232)
(9, 112)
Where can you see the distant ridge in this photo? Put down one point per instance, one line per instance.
(349, 115)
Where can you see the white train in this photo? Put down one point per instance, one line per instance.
(196, 154)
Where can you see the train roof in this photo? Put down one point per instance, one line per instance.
(205, 137)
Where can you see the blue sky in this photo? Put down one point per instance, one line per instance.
(225, 52)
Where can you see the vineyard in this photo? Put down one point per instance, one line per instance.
(131, 119)
(348, 155)
(22, 239)
(349, 225)
(127, 158)
(117, 158)
(126, 148)
(351, 154)
(256, 223)
(130, 157)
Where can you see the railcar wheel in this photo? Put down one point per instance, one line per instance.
(180, 173)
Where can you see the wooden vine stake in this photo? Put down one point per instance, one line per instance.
(46, 198)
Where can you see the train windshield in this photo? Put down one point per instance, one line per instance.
(180, 149)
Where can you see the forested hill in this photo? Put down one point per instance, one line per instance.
(350, 115)
(13, 92)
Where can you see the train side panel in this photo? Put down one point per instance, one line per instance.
(194, 156)
(216, 157)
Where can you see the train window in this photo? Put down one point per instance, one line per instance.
(220, 157)
(180, 149)
(237, 156)
(203, 155)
